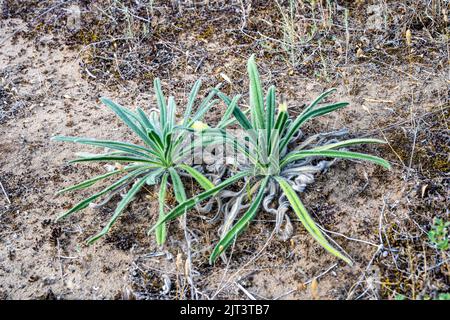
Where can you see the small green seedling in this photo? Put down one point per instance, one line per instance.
(157, 160)
(438, 235)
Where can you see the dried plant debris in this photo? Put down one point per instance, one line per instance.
(10, 106)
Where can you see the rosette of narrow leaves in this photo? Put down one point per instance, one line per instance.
(157, 159)
(270, 133)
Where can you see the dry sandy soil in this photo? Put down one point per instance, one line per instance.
(58, 57)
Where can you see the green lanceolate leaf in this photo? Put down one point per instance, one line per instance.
(306, 219)
(119, 110)
(168, 145)
(222, 136)
(270, 113)
(144, 120)
(161, 101)
(115, 145)
(204, 106)
(346, 143)
(243, 222)
(191, 101)
(178, 188)
(301, 119)
(120, 207)
(200, 178)
(297, 155)
(84, 155)
(201, 112)
(281, 120)
(188, 204)
(103, 158)
(83, 204)
(256, 95)
(323, 110)
(214, 137)
(161, 231)
(238, 114)
(262, 150)
(87, 183)
(229, 112)
(274, 156)
(242, 119)
(231, 121)
(170, 123)
(318, 99)
(156, 139)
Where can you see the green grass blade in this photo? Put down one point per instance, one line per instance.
(307, 221)
(120, 207)
(297, 155)
(347, 143)
(188, 204)
(243, 222)
(200, 178)
(161, 231)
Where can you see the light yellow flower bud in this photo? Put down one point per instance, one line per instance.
(199, 126)
(408, 37)
(283, 107)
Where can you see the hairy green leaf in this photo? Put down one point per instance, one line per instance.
(200, 178)
(243, 222)
(297, 155)
(120, 207)
(306, 219)
(190, 203)
(346, 143)
(161, 231)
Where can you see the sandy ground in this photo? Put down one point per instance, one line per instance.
(357, 202)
